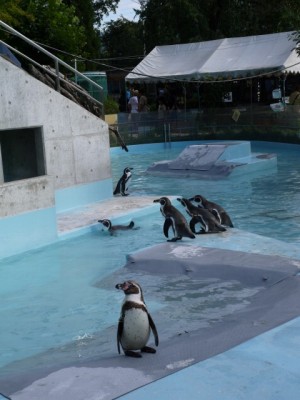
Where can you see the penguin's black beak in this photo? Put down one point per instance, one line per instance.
(178, 199)
(156, 201)
(191, 199)
(119, 286)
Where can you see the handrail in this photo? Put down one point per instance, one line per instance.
(49, 71)
(57, 61)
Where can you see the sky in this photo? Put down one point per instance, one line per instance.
(124, 9)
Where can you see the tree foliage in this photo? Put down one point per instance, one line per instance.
(76, 26)
(12, 13)
(123, 38)
(67, 25)
(185, 21)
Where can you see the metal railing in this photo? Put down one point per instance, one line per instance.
(57, 62)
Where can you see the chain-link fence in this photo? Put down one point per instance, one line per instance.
(245, 123)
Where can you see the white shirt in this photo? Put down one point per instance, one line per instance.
(134, 103)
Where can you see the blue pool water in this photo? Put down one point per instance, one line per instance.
(59, 301)
(265, 203)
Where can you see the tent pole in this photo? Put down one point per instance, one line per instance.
(251, 101)
(184, 96)
(283, 90)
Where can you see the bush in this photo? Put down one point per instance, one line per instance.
(110, 106)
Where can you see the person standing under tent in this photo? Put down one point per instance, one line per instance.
(133, 108)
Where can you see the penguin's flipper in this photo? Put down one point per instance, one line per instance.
(118, 188)
(119, 334)
(168, 223)
(227, 221)
(123, 187)
(216, 214)
(154, 330)
(131, 225)
(193, 222)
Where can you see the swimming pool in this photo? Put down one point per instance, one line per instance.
(59, 302)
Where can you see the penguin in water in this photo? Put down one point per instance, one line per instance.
(174, 219)
(123, 183)
(113, 228)
(200, 215)
(214, 208)
(135, 322)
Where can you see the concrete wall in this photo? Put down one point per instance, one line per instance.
(77, 160)
(26, 195)
(76, 143)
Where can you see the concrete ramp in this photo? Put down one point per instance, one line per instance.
(198, 157)
(214, 161)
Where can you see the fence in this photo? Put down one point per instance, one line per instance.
(257, 122)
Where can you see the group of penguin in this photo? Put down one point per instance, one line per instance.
(135, 322)
(211, 216)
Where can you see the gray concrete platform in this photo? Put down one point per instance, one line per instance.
(82, 217)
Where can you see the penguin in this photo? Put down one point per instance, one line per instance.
(174, 219)
(135, 322)
(123, 183)
(214, 208)
(200, 215)
(113, 228)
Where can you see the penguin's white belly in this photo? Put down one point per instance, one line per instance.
(136, 330)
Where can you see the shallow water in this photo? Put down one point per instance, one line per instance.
(59, 302)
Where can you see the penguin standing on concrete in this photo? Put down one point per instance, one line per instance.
(214, 208)
(123, 183)
(113, 228)
(200, 215)
(174, 219)
(135, 322)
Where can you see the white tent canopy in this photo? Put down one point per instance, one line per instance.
(219, 59)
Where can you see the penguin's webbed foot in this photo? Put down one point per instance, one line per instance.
(148, 349)
(130, 353)
(175, 239)
(125, 194)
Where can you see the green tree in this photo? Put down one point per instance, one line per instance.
(185, 21)
(173, 21)
(11, 12)
(122, 39)
(67, 25)
(90, 14)
(51, 23)
(104, 7)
